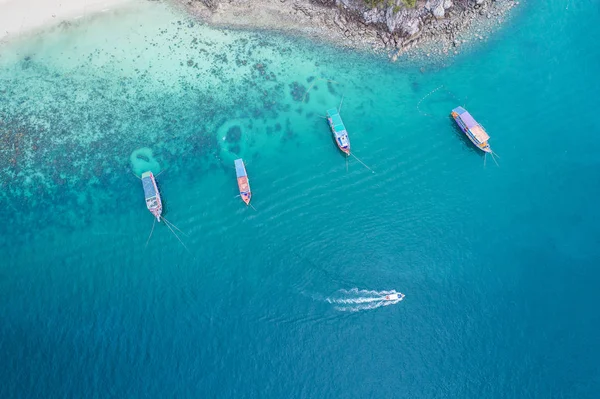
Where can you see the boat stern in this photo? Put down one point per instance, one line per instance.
(342, 141)
(156, 211)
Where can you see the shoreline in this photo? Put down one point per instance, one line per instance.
(22, 17)
(424, 32)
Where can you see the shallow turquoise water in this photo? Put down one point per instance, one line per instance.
(499, 264)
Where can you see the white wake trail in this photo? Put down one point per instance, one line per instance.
(356, 291)
(368, 306)
(355, 300)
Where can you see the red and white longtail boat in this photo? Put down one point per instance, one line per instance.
(153, 202)
(243, 182)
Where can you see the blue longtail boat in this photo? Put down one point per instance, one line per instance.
(474, 131)
(340, 135)
(243, 182)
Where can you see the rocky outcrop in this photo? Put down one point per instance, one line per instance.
(391, 24)
(210, 4)
(395, 17)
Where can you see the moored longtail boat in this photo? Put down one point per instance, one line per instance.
(471, 128)
(153, 202)
(243, 182)
(340, 135)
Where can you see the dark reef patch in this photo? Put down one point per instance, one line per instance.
(143, 157)
(298, 91)
(414, 85)
(331, 88)
(234, 134)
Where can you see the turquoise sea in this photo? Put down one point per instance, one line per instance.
(500, 265)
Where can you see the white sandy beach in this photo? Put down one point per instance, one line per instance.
(22, 16)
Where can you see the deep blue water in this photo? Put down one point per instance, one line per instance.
(499, 264)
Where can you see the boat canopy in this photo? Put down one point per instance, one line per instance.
(479, 134)
(336, 120)
(149, 190)
(240, 169)
(472, 124)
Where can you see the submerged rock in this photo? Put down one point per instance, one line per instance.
(298, 91)
(234, 134)
(142, 160)
(235, 149)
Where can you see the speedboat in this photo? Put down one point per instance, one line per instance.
(393, 297)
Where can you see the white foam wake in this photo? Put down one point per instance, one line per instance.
(355, 300)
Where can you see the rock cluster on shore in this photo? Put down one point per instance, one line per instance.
(435, 27)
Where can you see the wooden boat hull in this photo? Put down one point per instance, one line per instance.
(152, 195)
(244, 187)
(338, 131)
(242, 180)
(345, 150)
